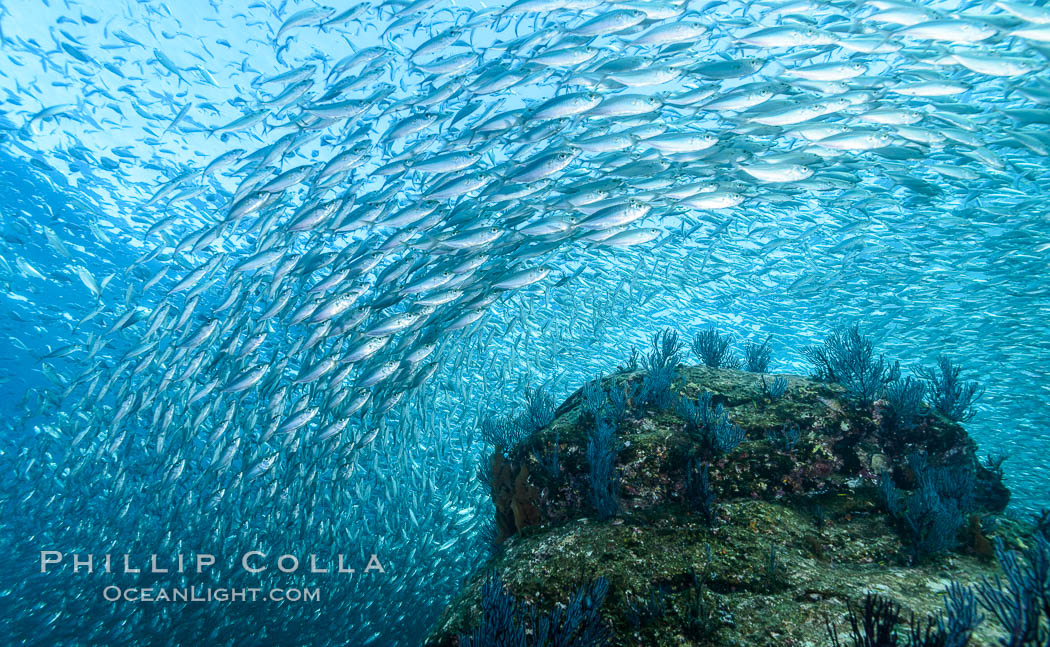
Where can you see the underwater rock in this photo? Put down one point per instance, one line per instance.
(800, 526)
(515, 499)
(841, 447)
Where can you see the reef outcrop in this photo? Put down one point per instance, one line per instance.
(813, 505)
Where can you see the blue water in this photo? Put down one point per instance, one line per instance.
(960, 270)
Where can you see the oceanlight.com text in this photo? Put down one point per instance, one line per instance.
(208, 594)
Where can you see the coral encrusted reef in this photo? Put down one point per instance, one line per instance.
(745, 509)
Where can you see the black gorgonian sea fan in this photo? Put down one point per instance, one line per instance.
(712, 349)
(757, 356)
(620, 398)
(849, 358)
(904, 398)
(501, 623)
(774, 388)
(709, 425)
(501, 431)
(879, 623)
(954, 398)
(655, 389)
(507, 622)
(784, 438)
(593, 396)
(666, 350)
(932, 514)
(539, 411)
(632, 363)
(699, 495)
(875, 624)
(1021, 604)
(602, 448)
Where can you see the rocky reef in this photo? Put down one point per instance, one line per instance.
(762, 539)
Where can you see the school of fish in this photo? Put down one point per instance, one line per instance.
(281, 331)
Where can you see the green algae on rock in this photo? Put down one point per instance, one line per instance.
(799, 530)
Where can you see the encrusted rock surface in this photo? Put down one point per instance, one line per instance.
(816, 507)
